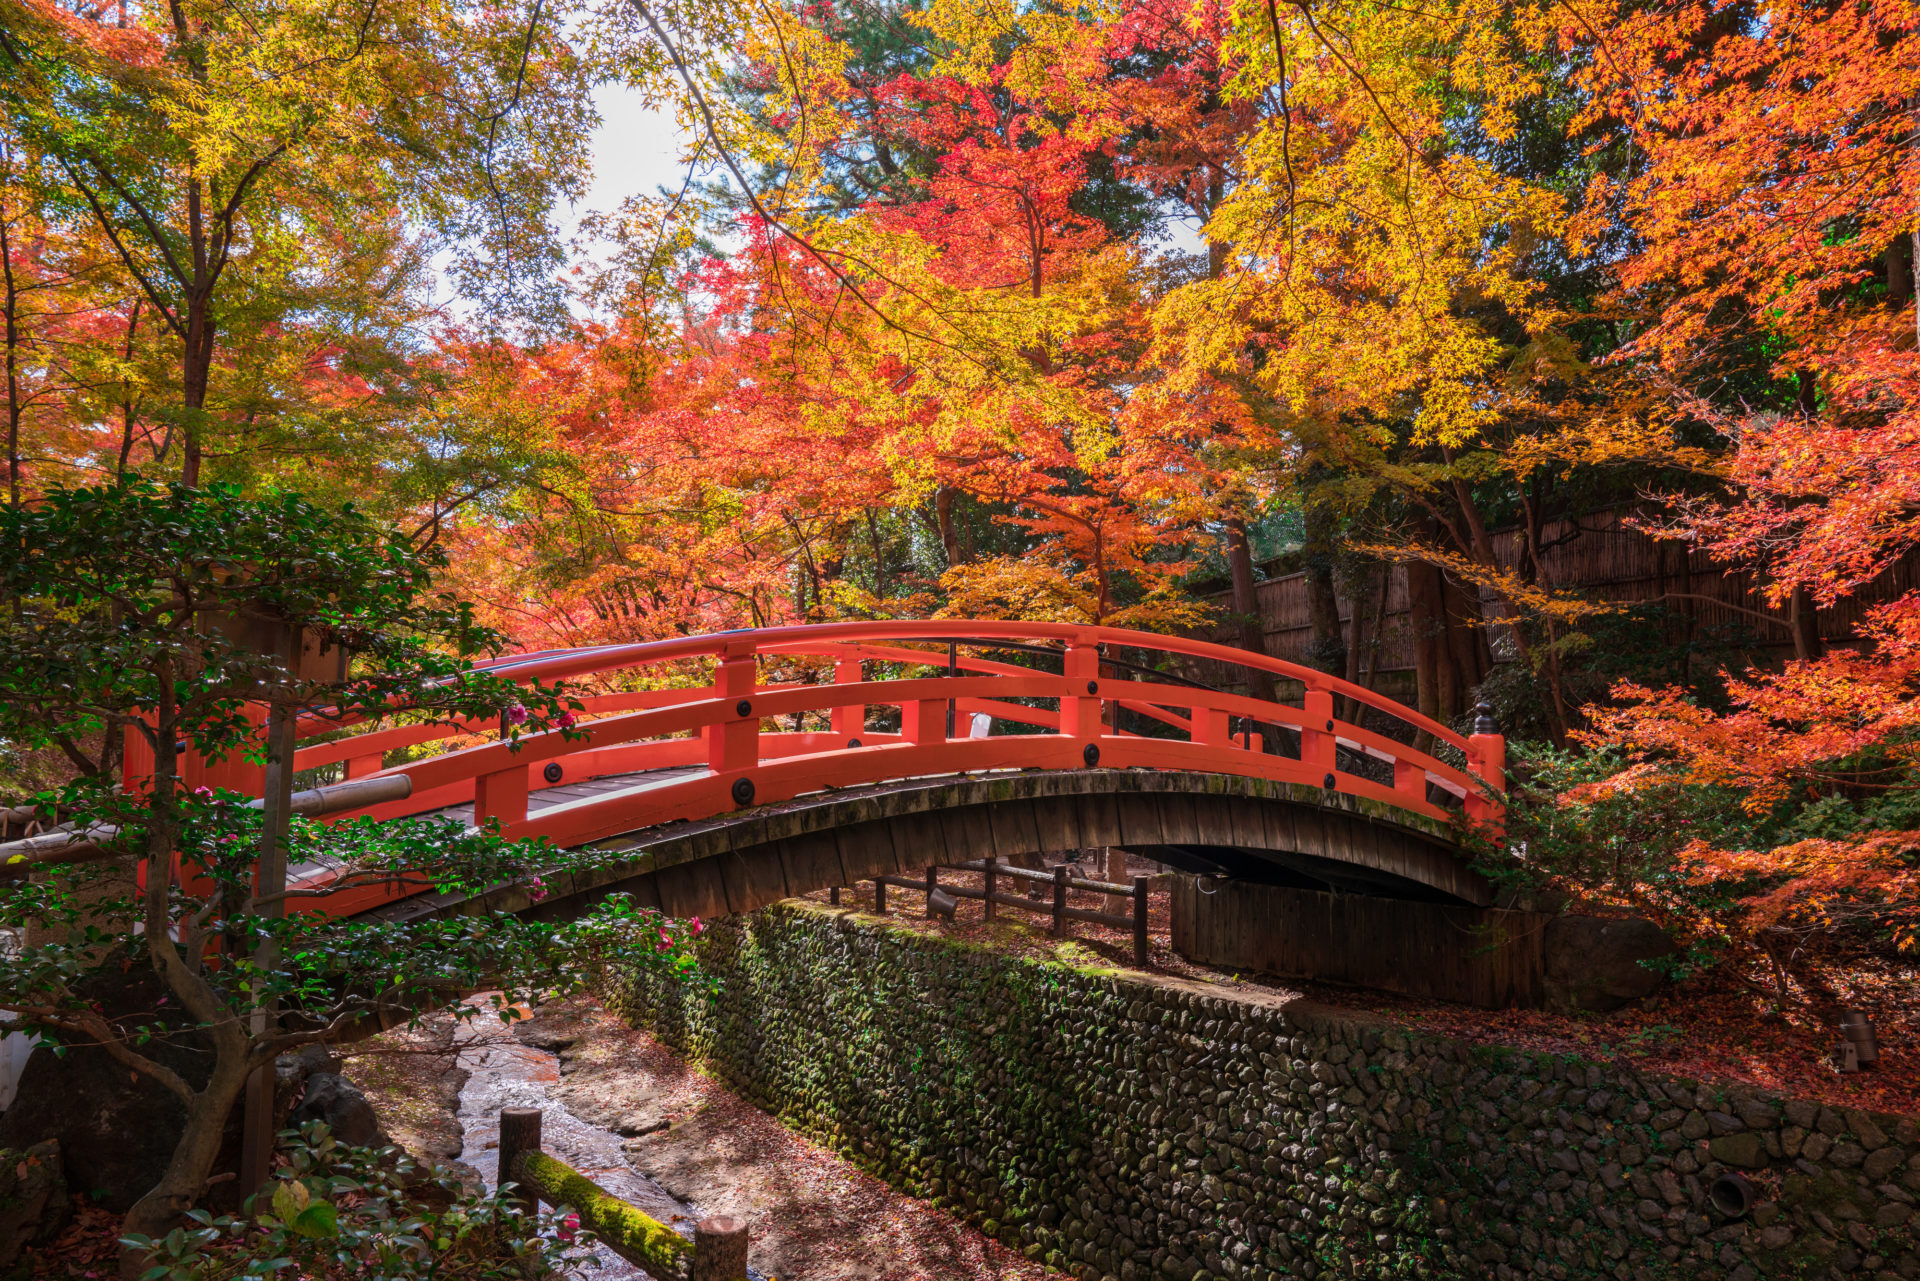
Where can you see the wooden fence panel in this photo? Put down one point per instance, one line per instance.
(1487, 957)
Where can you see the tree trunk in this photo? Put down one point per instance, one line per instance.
(1328, 650)
(1249, 630)
(1805, 621)
(159, 1211)
(15, 409)
(949, 537)
(195, 373)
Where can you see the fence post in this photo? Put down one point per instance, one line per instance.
(1139, 920)
(879, 897)
(1060, 878)
(833, 896)
(933, 883)
(992, 881)
(719, 1249)
(519, 1132)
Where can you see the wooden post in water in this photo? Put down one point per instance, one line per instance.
(519, 1132)
(1139, 920)
(719, 1249)
(1060, 878)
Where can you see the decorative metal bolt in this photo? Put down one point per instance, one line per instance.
(1091, 755)
(743, 791)
(1483, 719)
(853, 742)
(743, 708)
(1093, 687)
(1329, 724)
(1329, 783)
(552, 772)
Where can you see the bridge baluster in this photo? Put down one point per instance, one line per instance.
(924, 720)
(1410, 781)
(1317, 744)
(734, 743)
(1080, 710)
(849, 721)
(502, 795)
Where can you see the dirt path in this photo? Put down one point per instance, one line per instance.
(815, 1217)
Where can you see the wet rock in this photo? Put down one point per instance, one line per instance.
(1596, 964)
(337, 1101)
(116, 1129)
(33, 1198)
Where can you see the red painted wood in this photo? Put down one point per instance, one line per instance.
(719, 726)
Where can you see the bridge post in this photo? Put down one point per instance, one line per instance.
(1317, 744)
(1080, 711)
(1487, 761)
(502, 795)
(734, 743)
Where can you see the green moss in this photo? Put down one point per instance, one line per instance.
(636, 1237)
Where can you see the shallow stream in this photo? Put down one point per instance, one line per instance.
(507, 1074)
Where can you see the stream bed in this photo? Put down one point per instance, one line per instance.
(506, 1074)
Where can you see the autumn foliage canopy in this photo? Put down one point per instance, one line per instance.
(1068, 312)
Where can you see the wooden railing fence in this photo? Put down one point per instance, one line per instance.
(1061, 879)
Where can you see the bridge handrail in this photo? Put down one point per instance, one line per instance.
(555, 665)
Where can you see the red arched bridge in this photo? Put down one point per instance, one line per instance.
(800, 758)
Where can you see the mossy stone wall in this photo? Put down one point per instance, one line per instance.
(1124, 1126)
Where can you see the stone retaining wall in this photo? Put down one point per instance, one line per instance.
(1131, 1126)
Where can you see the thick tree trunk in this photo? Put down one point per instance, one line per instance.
(1328, 650)
(195, 374)
(1249, 631)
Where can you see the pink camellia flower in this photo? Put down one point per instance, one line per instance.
(697, 927)
(536, 889)
(516, 715)
(568, 1227)
(565, 720)
(665, 937)
(204, 793)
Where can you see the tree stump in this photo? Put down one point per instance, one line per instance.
(719, 1249)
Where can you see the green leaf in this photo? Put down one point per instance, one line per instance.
(318, 1220)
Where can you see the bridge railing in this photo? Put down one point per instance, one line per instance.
(724, 737)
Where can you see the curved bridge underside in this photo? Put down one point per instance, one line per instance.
(1256, 829)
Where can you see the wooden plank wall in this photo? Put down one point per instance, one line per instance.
(1604, 558)
(1487, 957)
